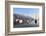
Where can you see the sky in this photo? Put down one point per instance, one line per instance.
(32, 12)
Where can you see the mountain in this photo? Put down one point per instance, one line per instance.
(22, 17)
